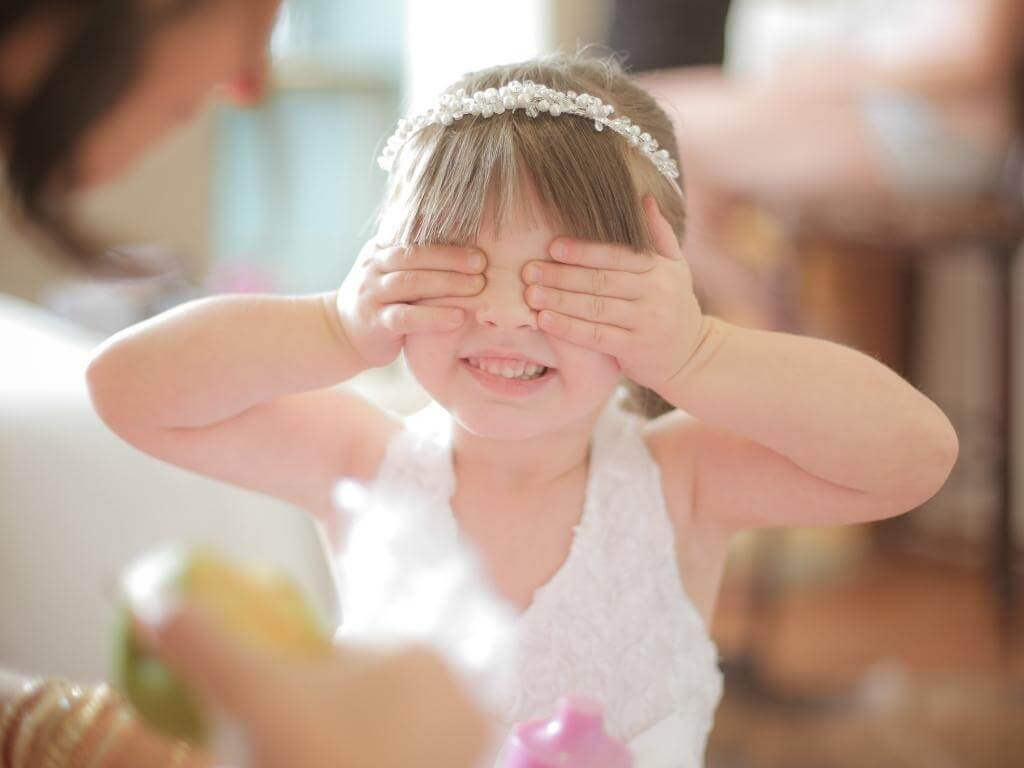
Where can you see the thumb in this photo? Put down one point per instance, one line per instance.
(225, 669)
(664, 237)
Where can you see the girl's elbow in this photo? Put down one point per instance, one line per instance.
(943, 451)
(940, 449)
(948, 451)
(105, 386)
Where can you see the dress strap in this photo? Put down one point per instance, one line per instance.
(418, 461)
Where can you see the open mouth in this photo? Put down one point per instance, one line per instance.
(515, 370)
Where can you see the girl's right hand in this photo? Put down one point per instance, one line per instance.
(377, 303)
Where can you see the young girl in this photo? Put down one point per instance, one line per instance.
(530, 264)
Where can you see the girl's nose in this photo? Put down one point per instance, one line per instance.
(502, 304)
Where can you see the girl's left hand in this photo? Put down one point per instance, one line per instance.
(637, 307)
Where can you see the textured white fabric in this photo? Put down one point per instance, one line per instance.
(615, 622)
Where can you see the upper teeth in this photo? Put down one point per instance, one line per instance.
(509, 369)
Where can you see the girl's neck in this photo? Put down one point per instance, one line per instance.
(512, 465)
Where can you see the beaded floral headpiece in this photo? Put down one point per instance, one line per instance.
(533, 99)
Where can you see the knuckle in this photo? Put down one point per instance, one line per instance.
(371, 252)
(385, 258)
(597, 307)
(596, 334)
(600, 280)
(395, 316)
(405, 257)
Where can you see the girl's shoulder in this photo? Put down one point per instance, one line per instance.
(371, 430)
(672, 441)
(422, 437)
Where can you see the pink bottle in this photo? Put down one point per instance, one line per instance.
(573, 738)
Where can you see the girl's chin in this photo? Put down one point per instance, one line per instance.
(497, 423)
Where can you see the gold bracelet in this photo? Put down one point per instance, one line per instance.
(46, 716)
(179, 755)
(86, 745)
(53, 722)
(51, 725)
(123, 719)
(12, 712)
(72, 729)
(57, 737)
(9, 712)
(28, 728)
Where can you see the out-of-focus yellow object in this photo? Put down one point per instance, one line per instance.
(258, 604)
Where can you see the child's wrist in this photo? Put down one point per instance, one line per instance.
(709, 337)
(347, 351)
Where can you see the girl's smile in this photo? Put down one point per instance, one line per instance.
(513, 376)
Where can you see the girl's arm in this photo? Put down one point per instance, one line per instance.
(790, 430)
(235, 387)
(241, 388)
(778, 429)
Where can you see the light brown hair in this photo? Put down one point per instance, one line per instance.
(589, 185)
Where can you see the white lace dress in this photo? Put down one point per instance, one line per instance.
(615, 622)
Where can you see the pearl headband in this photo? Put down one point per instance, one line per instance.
(533, 99)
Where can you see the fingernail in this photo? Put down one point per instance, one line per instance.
(547, 319)
(539, 294)
(476, 261)
(559, 250)
(533, 273)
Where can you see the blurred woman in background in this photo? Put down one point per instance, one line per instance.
(86, 86)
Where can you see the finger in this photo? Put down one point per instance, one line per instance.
(600, 338)
(621, 258)
(403, 319)
(215, 662)
(585, 306)
(600, 282)
(419, 284)
(451, 258)
(663, 236)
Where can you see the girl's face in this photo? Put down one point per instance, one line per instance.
(498, 375)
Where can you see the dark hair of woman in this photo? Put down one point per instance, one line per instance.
(97, 62)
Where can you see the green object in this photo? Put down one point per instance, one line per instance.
(257, 605)
(161, 698)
